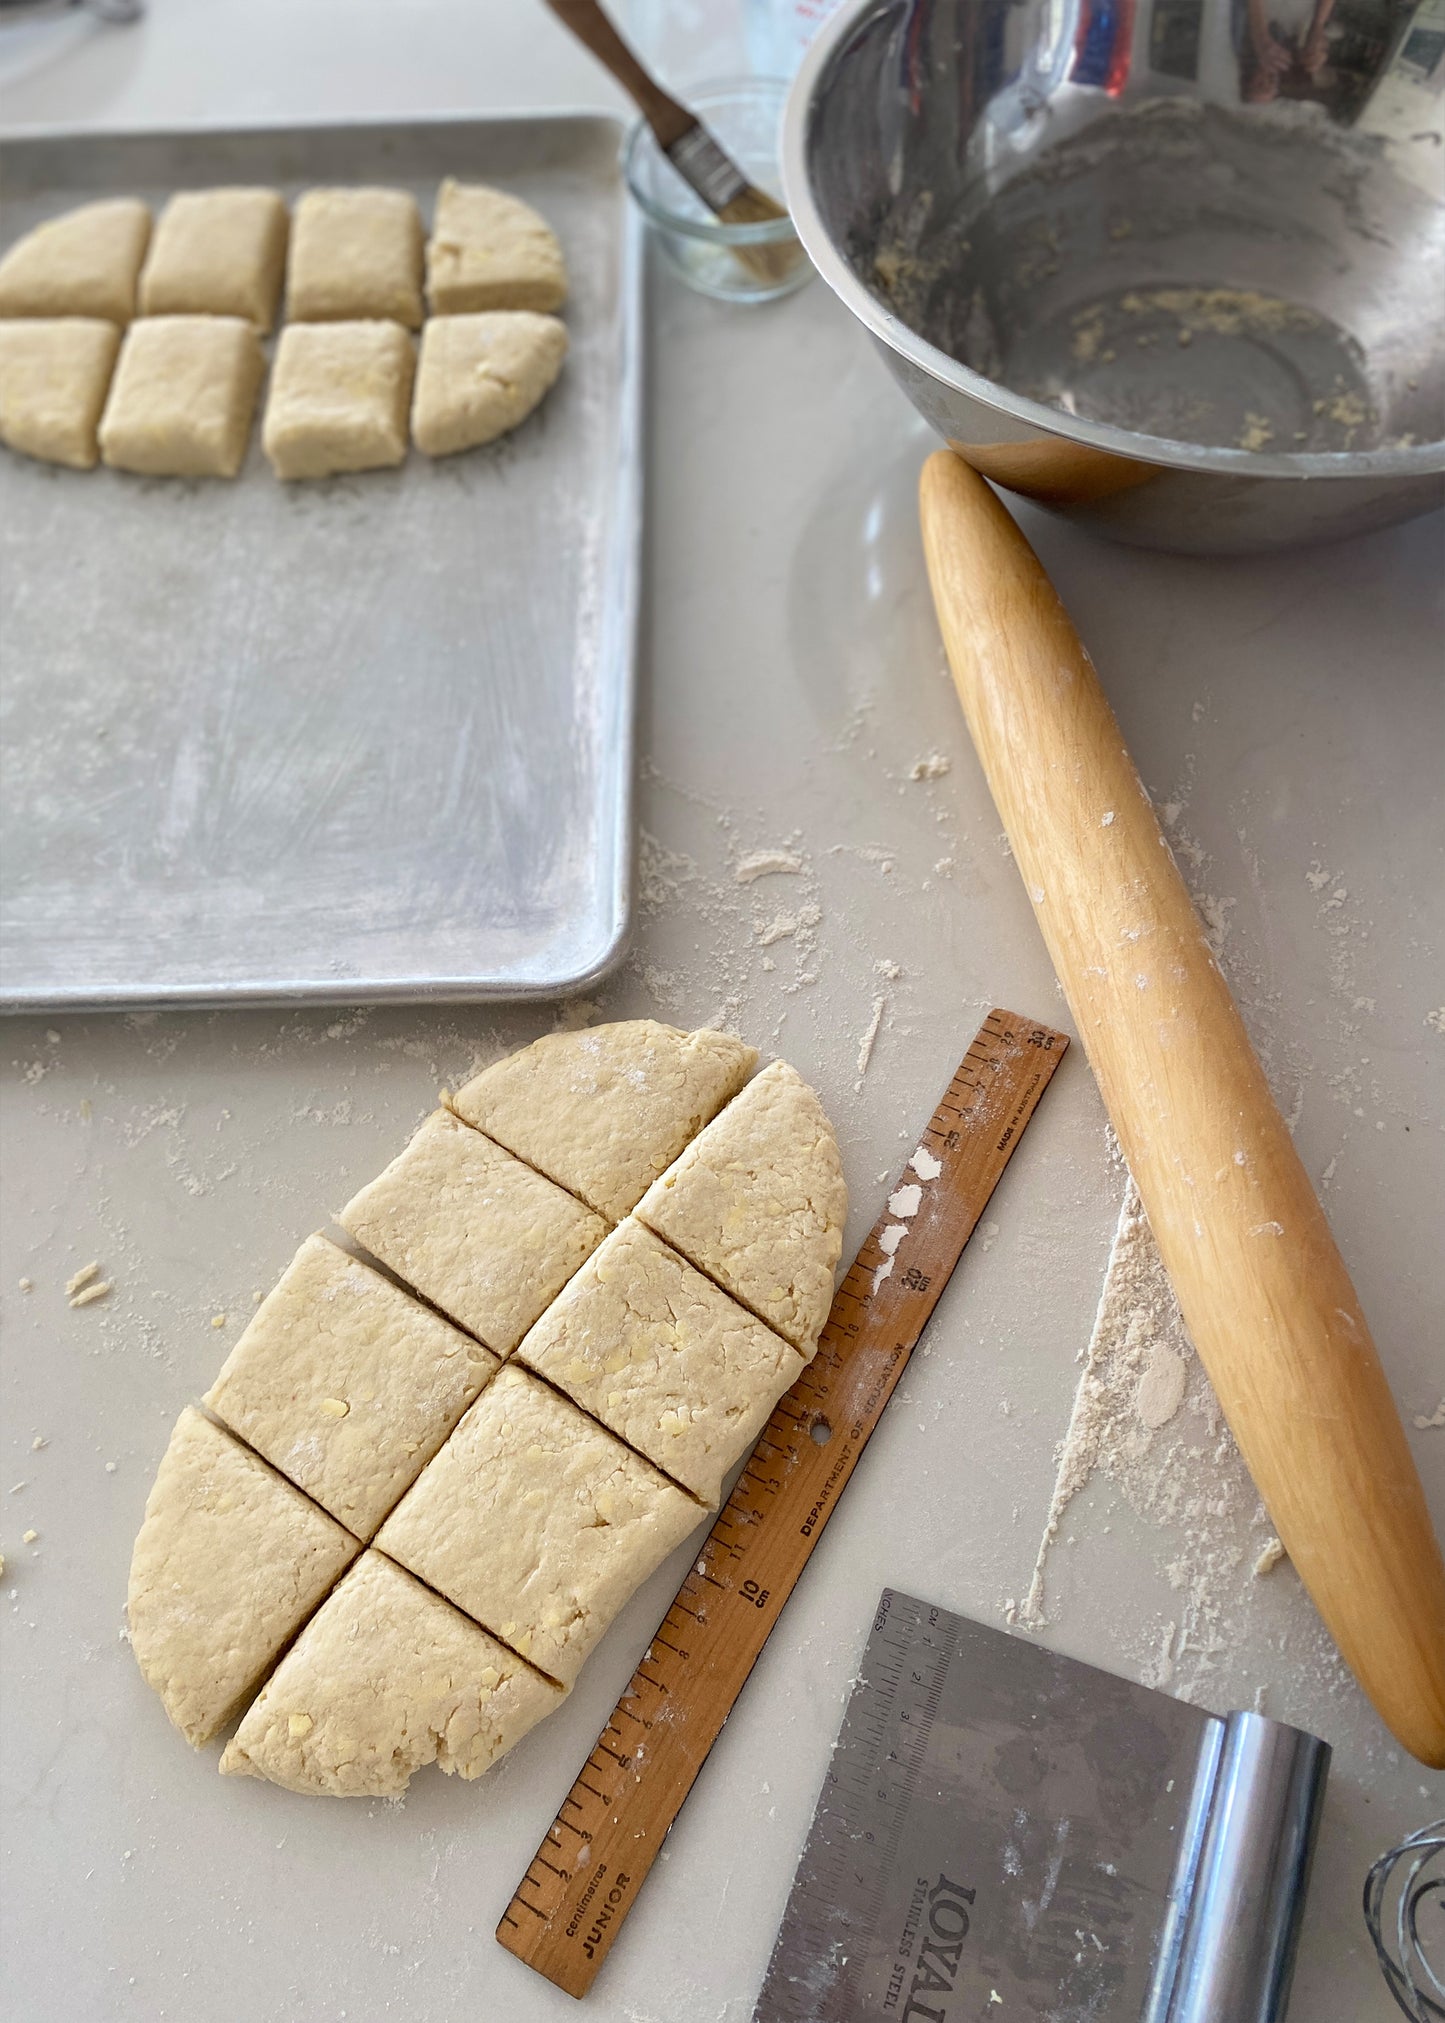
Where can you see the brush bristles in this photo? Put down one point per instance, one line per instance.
(753, 206)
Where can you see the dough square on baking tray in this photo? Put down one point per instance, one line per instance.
(386, 1677)
(83, 263)
(347, 1384)
(54, 373)
(535, 1521)
(663, 1358)
(489, 250)
(355, 253)
(182, 398)
(479, 376)
(228, 1563)
(217, 253)
(338, 399)
(474, 1230)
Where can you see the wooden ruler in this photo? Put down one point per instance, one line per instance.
(584, 1879)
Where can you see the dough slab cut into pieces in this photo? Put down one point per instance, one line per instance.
(663, 1358)
(604, 1112)
(338, 400)
(537, 1523)
(758, 1202)
(480, 376)
(84, 263)
(181, 402)
(217, 253)
(489, 250)
(474, 1230)
(384, 1679)
(347, 1384)
(53, 381)
(229, 1562)
(355, 253)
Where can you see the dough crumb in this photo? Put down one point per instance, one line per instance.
(1270, 1556)
(29, 1537)
(931, 767)
(27, 1285)
(766, 863)
(218, 1320)
(82, 1278)
(92, 1293)
(38, 1442)
(1424, 1421)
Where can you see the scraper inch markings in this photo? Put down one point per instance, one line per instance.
(586, 1874)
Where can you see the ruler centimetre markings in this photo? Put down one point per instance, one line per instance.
(585, 1876)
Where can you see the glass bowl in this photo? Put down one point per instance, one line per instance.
(745, 115)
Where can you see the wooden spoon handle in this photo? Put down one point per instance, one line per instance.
(1261, 1285)
(668, 120)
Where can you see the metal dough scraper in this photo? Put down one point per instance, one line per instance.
(1006, 1835)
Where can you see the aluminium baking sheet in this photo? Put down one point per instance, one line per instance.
(363, 739)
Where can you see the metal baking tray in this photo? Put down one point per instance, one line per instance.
(366, 739)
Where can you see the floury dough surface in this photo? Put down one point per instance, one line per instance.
(228, 1564)
(758, 1202)
(473, 1229)
(83, 263)
(663, 1358)
(386, 1678)
(604, 1112)
(480, 376)
(537, 1523)
(54, 374)
(346, 1384)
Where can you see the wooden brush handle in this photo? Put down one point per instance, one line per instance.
(668, 120)
(1261, 1285)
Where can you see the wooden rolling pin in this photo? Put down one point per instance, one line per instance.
(1261, 1285)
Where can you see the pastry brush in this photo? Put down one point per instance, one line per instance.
(704, 165)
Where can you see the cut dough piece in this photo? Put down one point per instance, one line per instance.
(217, 253)
(82, 264)
(474, 1230)
(384, 1679)
(758, 1202)
(537, 1523)
(182, 399)
(491, 251)
(482, 375)
(338, 400)
(662, 1357)
(229, 1562)
(53, 380)
(603, 1112)
(347, 1384)
(355, 253)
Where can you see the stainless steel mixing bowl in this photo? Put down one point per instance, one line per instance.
(1175, 268)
